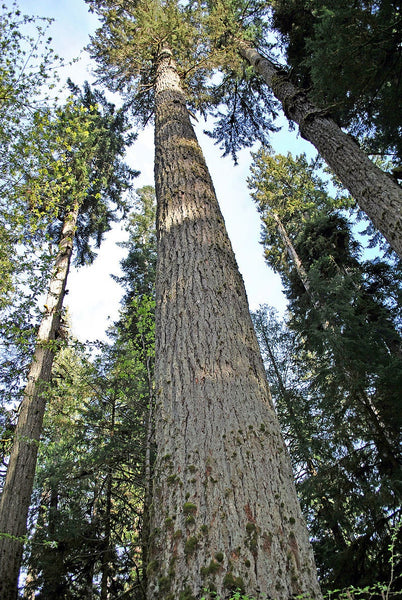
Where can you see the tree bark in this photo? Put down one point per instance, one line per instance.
(107, 549)
(374, 190)
(16, 496)
(148, 471)
(54, 582)
(225, 513)
(294, 257)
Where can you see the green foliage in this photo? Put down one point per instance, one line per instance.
(93, 459)
(27, 65)
(291, 190)
(139, 266)
(66, 156)
(360, 42)
(130, 39)
(334, 370)
(91, 475)
(200, 36)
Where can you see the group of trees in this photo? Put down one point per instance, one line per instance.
(158, 468)
(334, 368)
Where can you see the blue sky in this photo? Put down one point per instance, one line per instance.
(93, 299)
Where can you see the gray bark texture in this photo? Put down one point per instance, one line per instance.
(16, 495)
(294, 257)
(377, 194)
(225, 513)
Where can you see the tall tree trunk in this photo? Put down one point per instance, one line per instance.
(294, 257)
(16, 496)
(54, 583)
(149, 444)
(225, 513)
(376, 192)
(31, 580)
(107, 550)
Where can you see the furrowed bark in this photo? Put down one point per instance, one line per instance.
(16, 496)
(377, 194)
(225, 513)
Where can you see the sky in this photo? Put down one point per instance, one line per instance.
(94, 297)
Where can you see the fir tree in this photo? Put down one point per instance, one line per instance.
(347, 339)
(359, 42)
(214, 523)
(86, 141)
(239, 28)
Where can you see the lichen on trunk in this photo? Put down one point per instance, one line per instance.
(225, 513)
(16, 495)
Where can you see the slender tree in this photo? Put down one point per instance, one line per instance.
(87, 141)
(225, 514)
(350, 386)
(376, 193)
(95, 453)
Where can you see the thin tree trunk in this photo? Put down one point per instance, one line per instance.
(16, 496)
(107, 554)
(225, 513)
(387, 449)
(31, 581)
(54, 584)
(375, 191)
(294, 257)
(148, 462)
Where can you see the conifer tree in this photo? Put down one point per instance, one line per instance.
(360, 42)
(87, 140)
(93, 474)
(239, 28)
(225, 514)
(348, 344)
(350, 506)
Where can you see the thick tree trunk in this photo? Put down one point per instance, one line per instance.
(376, 192)
(16, 496)
(225, 513)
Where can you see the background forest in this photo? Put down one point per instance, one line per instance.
(77, 419)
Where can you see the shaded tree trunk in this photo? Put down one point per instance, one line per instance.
(376, 193)
(54, 583)
(149, 444)
(107, 550)
(225, 513)
(31, 580)
(16, 496)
